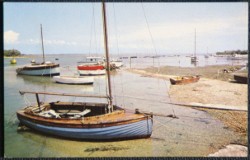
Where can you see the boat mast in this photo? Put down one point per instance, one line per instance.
(106, 52)
(42, 43)
(195, 42)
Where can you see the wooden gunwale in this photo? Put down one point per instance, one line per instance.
(107, 120)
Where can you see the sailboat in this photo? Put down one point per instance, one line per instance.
(40, 69)
(194, 58)
(87, 120)
(91, 66)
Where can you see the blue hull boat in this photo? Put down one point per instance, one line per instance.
(65, 119)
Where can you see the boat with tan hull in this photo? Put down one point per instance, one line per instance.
(184, 80)
(87, 120)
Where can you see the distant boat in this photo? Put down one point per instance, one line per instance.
(87, 120)
(117, 63)
(40, 69)
(73, 79)
(114, 63)
(133, 56)
(184, 80)
(206, 56)
(33, 61)
(13, 61)
(241, 78)
(194, 58)
(123, 57)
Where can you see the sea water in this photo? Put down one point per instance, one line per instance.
(193, 133)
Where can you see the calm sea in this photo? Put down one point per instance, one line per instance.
(194, 133)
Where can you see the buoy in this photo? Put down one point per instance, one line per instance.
(13, 61)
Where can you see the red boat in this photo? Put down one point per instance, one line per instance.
(90, 67)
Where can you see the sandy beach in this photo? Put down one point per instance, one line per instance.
(215, 93)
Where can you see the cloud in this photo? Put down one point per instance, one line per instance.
(49, 42)
(11, 37)
(166, 34)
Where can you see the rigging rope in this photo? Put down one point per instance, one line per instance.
(152, 40)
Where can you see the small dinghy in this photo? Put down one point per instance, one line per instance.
(73, 79)
(184, 79)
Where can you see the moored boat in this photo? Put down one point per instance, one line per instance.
(86, 121)
(40, 69)
(91, 70)
(184, 80)
(91, 66)
(73, 79)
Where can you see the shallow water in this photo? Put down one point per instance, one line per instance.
(194, 133)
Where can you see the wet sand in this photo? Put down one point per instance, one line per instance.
(215, 89)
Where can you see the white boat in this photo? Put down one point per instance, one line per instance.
(92, 60)
(73, 79)
(114, 63)
(117, 63)
(40, 69)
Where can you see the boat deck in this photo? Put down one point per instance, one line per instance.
(117, 117)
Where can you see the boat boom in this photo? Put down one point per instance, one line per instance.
(64, 94)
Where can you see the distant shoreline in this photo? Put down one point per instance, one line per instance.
(26, 56)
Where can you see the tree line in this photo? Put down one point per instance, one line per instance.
(232, 52)
(11, 53)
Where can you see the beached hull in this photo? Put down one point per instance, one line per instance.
(39, 70)
(91, 72)
(241, 78)
(73, 80)
(184, 80)
(141, 129)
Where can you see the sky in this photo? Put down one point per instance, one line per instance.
(141, 28)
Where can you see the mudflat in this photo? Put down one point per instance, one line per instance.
(216, 92)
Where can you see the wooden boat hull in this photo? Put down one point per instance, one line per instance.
(39, 70)
(95, 125)
(73, 80)
(184, 80)
(241, 78)
(140, 129)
